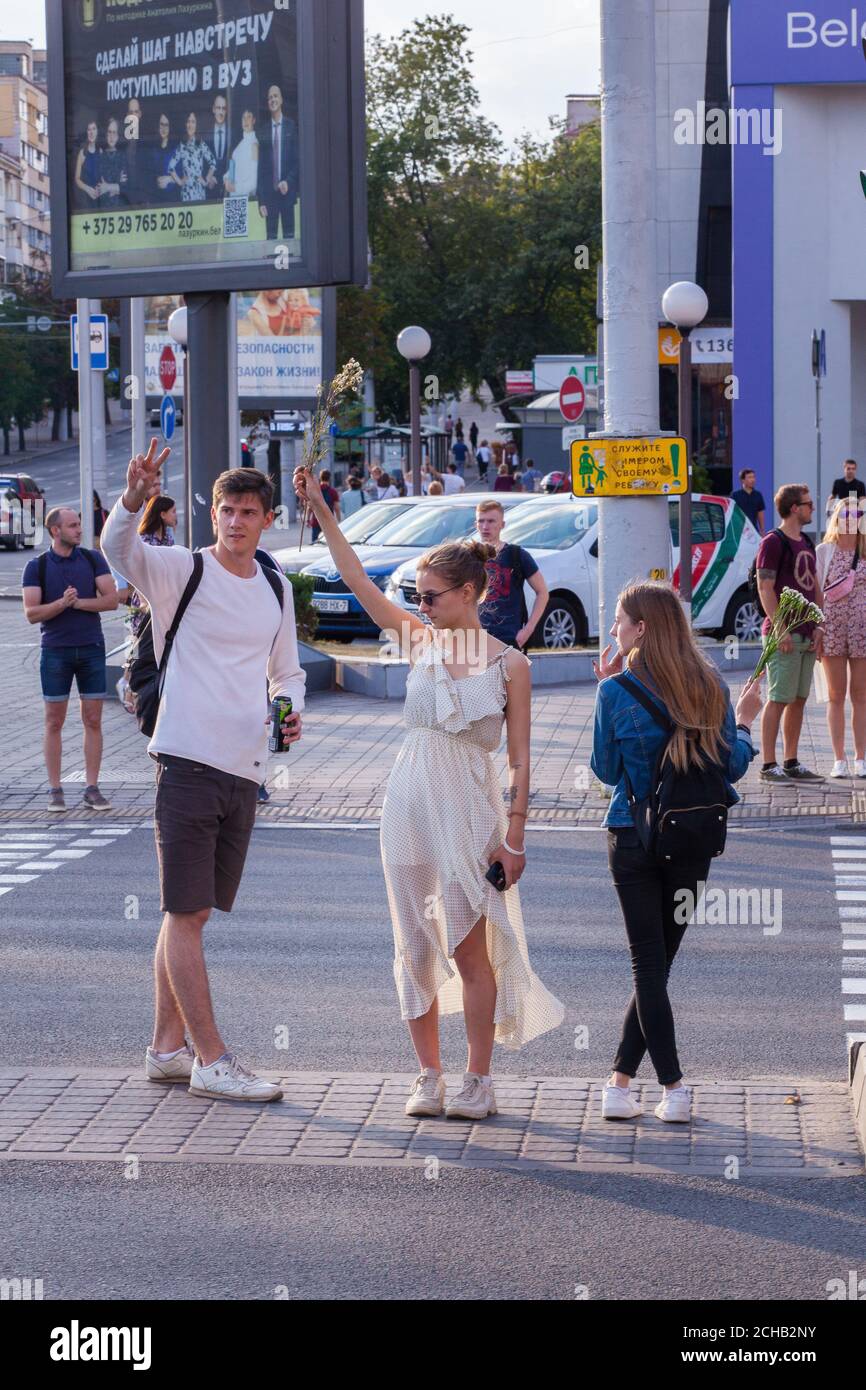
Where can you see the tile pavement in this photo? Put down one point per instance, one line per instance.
(340, 769)
(738, 1129)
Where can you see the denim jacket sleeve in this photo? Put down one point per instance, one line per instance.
(606, 761)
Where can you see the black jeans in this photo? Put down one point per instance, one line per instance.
(646, 893)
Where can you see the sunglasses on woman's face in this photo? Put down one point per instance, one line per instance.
(431, 596)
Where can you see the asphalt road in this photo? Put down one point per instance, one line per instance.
(309, 946)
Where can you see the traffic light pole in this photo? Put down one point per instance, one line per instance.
(207, 389)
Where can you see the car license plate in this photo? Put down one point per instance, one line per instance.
(330, 605)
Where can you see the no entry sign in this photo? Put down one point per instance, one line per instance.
(572, 399)
(167, 369)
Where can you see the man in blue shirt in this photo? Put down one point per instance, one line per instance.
(65, 590)
(503, 613)
(460, 452)
(749, 500)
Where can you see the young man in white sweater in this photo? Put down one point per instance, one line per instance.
(234, 649)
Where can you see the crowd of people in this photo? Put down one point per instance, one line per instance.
(453, 848)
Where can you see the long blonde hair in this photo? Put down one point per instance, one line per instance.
(831, 535)
(687, 682)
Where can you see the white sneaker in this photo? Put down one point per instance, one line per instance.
(676, 1106)
(226, 1079)
(619, 1104)
(860, 767)
(475, 1101)
(841, 769)
(427, 1096)
(177, 1068)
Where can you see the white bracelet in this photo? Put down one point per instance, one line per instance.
(519, 852)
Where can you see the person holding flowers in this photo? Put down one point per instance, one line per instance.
(792, 638)
(842, 577)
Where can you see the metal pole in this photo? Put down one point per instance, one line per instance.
(234, 418)
(685, 393)
(207, 372)
(85, 423)
(634, 533)
(415, 421)
(100, 461)
(185, 487)
(139, 400)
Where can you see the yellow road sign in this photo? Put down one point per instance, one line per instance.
(628, 467)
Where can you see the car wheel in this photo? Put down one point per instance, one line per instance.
(561, 626)
(743, 619)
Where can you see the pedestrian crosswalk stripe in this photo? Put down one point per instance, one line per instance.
(69, 854)
(77, 844)
(855, 1013)
(854, 945)
(31, 853)
(17, 878)
(849, 840)
(42, 864)
(854, 986)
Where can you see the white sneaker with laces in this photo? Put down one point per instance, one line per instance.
(675, 1106)
(226, 1079)
(840, 768)
(427, 1096)
(176, 1068)
(475, 1102)
(619, 1104)
(860, 767)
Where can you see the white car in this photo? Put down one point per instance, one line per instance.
(561, 534)
(357, 528)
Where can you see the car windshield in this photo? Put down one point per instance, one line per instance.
(429, 525)
(369, 519)
(550, 527)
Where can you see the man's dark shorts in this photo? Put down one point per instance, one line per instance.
(204, 819)
(59, 665)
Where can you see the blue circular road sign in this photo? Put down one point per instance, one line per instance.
(167, 417)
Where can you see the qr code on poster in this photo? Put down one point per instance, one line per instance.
(235, 217)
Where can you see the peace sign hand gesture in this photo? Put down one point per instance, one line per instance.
(143, 477)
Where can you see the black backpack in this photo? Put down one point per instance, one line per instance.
(144, 675)
(684, 819)
(752, 581)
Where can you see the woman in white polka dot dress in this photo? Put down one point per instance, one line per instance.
(444, 822)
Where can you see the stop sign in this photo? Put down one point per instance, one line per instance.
(167, 369)
(572, 399)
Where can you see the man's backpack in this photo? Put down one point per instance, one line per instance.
(42, 568)
(752, 581)
(684, 819)
(145, 676)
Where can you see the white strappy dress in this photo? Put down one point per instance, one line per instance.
(442, 815)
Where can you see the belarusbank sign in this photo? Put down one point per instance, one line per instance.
(799, 238)
(774, 42)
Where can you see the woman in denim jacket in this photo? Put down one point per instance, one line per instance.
(656, 647)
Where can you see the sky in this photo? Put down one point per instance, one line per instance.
(528, 56)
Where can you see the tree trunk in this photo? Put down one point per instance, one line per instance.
(69, 422)
(22, 442)
(6, 447)
(55, 425)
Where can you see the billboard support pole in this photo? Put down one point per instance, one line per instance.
(85, 423)
(234, 419)
(99, 457)
(139, 385)
(207, 374)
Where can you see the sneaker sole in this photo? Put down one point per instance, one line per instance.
(167, 1080)
(55, 810)
(428, 1114)
(635, 1116)
(248, 1100)
(462, 1115)
(88, 806)
(671, 1120)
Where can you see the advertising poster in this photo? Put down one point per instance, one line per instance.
(182, 127)
(280, 346)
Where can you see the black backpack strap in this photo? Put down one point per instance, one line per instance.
(642, 698)
(276, 584)
(185, 599)
(43, 572)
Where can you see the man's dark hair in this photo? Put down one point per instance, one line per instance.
(744, 473)
(853, 463)
(325, 475)
(240, 480)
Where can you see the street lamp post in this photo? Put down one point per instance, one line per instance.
(414, 344)
(177, 328)
(685, 305)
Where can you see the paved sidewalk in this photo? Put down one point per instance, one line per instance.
(738, 1129)
(340, 769)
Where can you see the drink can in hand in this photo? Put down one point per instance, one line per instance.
(281, 708)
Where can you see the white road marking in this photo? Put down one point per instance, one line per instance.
(855, 1013)
(854, 986)
(17, 878)
(77, 844)
(41, 864)
(69, 854)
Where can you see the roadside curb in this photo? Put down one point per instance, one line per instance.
(857, 1082)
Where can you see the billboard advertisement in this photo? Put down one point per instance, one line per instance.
(285, 347)
(208, 138)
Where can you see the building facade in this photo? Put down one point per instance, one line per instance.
(24, 141)
(800, 239)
